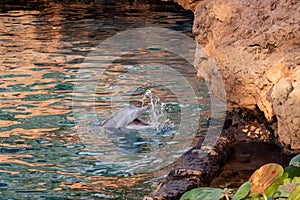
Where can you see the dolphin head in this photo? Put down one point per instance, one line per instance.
(125, 117)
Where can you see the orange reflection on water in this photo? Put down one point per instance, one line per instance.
(100, 182)
(10, 172)
(16, 158)
(13, 158)
(14, 145)
(40, 108)
(4, 123)
(28, 45)
(32, 133)
(45, 133)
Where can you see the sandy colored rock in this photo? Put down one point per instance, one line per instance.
(285, 95)
(256, 47)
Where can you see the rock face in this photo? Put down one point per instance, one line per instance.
(256, 47)
(243, 142)
(194, 168)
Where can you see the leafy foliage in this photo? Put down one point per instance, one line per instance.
(270, 181)
(295, 161)
(292, 171)
(264, 177)
(273, 188)
(203, 193)
(284, 191)
(243, 191)
(295, 194)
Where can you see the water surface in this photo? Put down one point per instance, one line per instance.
(42, 46)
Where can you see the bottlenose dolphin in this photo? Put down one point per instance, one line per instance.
(126, 129)
(126, 118)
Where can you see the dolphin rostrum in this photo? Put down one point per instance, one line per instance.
(126, 118)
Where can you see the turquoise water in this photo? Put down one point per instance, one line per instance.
(42, 152)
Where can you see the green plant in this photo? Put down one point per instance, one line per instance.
(270, 181)
(203, 193)
(243, 191)
(263, 178)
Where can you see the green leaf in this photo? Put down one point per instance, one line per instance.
(292, 171)
(256, 197)
(295, 195)
(295, 161)
(284, 191)
(287, 181)
(296, 180)
(243, 191)
(203, 193)
(272, 188)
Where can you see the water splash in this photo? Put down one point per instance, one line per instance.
(157, 112)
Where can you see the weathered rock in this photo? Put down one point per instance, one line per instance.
(188, 4)
(285, 95)
(256, 48)
(192, 170)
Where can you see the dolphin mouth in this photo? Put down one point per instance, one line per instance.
(140, 122)
(126, 118)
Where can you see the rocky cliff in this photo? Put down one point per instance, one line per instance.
(256, 47)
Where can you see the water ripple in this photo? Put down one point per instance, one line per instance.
(41, 47)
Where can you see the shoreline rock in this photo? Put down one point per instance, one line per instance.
(191, 170)
(256, 48)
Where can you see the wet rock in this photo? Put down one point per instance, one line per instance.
(192, 170)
